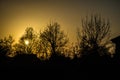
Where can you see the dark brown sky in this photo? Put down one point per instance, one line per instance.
(16, 15)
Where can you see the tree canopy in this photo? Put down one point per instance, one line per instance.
(54, 38)
(94, 35)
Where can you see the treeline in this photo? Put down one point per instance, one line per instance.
(93, 42)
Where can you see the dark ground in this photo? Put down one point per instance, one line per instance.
(28, 66)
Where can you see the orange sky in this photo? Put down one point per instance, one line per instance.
(16, 15)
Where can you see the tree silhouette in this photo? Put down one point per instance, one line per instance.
(53, 38)
(94, 36)
(5, 49)
(27, 42)
(42, 49)
(6, 45)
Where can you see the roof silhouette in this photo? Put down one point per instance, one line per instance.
(116, 39)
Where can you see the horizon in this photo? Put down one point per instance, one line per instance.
(17, 15)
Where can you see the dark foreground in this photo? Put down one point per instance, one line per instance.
(57, 68)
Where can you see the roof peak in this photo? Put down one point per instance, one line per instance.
(116, 39)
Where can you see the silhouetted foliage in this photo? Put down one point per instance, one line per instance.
(95, 33)
(27, 42)
(53, 38)
(94, 37)
(49, 47)
(5, 49)
(6, 45)
(42, 49)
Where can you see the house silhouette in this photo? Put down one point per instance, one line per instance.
(117, 49)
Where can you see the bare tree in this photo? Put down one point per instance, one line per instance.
(54, 38)
(95, 34)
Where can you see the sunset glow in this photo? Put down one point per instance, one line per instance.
(16, 15)
(26, 42)
(59, 32)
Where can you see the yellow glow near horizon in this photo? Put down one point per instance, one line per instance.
(16, 15)
(26, 42)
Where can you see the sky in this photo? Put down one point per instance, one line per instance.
(17, 15)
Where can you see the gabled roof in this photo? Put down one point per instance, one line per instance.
(116, 39)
